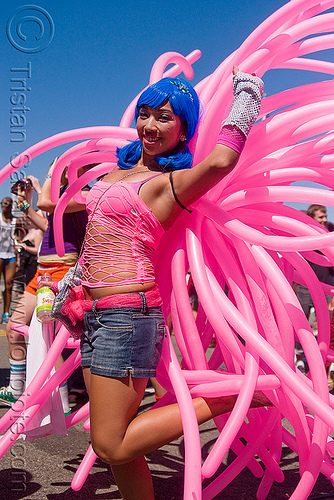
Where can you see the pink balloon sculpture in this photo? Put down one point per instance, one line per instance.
(241, 237)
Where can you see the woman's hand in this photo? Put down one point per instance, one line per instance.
(35, 183)
(45, 283)
(25, 193)
(49, 284)
(52, 166)
(18, 247)
(22, 194)
(236, 70)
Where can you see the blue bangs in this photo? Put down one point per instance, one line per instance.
(182, 97)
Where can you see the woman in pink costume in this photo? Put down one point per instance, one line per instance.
(129, 210)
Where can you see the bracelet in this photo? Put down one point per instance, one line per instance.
(48, 176)
(39, 192)
(23, 206)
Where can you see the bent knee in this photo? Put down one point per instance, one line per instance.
(112, 455)
(13, 336)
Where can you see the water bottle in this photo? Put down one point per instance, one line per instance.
(45, 298)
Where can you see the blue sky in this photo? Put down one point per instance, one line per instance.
(101, 55)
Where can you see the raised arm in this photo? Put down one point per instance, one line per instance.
(39, 221)
(24, 204)
(189, 185)
(44, 197)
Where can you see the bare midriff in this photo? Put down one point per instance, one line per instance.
(98, 293)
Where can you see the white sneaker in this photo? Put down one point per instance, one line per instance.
(7, 397)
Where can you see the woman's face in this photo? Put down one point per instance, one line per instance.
(159, 129)
(6, 204)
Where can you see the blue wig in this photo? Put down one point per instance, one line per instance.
(184, 103)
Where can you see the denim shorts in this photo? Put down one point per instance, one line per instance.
(121, 341)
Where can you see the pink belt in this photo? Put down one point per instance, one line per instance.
(77, 305)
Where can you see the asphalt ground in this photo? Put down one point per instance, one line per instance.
(43, 469)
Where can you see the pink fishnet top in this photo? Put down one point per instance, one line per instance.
(121, 236)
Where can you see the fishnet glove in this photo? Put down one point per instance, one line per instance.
(247, 90)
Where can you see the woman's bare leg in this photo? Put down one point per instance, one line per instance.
(22, 314)
(158, 389)
(119, 437)
(134, 480)
(86, 376)
(9, 273)
(2, 273)
(17, 344)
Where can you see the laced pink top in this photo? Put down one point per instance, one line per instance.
(121, 236)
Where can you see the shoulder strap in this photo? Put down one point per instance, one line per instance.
(141, 183)
(174, 194)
